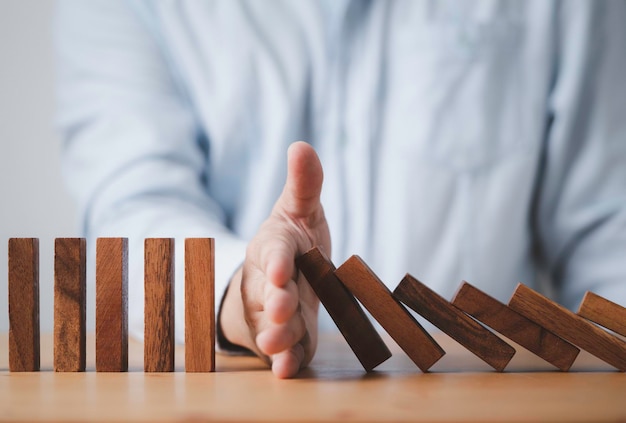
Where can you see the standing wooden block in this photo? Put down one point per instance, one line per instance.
(24, 304)
(569, 326)
(604, 312)
(459, 326)
(199, 305)
(112, 305)
(516, 327)
(69, 304)
(159, 305)
(343, 308)
(396, 320)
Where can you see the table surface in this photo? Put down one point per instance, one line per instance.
(459, 387)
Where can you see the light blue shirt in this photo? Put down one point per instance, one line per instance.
(476, 140)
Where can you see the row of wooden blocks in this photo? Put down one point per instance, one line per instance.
(112, 305)
(531, 320)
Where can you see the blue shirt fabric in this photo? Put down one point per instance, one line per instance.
(476, 140)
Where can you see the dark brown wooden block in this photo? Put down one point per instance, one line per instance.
(604, 312)
(69, 304)
(516, 327)
(159, 305)
(112, 305)
(199, 305)
(343, 308)
(24, 305)
(569, 326)
(356, 275)
(459, 326)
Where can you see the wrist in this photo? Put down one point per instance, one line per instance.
(232, 323)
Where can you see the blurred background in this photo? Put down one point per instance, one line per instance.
(33, 200)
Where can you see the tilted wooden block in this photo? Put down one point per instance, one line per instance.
(569, 326)
(159, 305)
(516, 327)
(24, 305)
(459, 326)
(343, 308)
(69, 304)
(112, 305)
(394, 318)
(199, 305)
(604, 312)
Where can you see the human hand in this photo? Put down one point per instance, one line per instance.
(269, 307)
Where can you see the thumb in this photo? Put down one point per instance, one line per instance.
(301, 194)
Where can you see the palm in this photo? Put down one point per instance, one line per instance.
(279, 307)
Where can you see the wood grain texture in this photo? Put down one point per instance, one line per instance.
(24, 305)
(343, 308)
(69, 304)
(421, 348)
(462, 328)
(516, 327)
(333, 388)
(199, 305)
(159, 305)
(604, 312)
(112, 305)
(569, 326)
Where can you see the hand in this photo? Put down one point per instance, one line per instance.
(269, 307)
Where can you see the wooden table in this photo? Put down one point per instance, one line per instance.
(459, 388)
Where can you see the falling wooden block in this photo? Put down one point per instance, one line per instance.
(516, 327)
(159, 305)
(343, 308)
(393, 317)
(459, 326)
(112, 305)
(24, 304)
(69, 304)
(604, 312)
(569, 326)
(199, 305)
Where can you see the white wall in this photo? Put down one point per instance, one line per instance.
(33, 201)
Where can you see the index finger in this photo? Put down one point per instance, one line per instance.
(274, 253)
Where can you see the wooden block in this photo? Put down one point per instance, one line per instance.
(24, 305)
(516, 327)
(394, 318)
(112, 305)
(343, 308)
(159, 305)
(199, 305)
(604, 312)
(69, 304)
(569, 326)
(459, 326)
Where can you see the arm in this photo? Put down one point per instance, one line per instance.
(581, 202)
(136, 160)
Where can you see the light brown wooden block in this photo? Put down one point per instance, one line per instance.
(516, 327)
(159, 305)
(394, 318)
(569, 326)
(459, 326)
(69, 304)
(24, 305)
(604, 312)
(199, 305)
(112, 305)
(343, 308)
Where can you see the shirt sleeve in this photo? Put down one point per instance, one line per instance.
(134, 157)
(581, 201)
